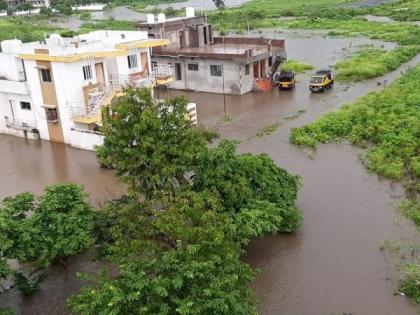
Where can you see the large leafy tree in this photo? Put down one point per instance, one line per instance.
(45, 229)
(152, 145)
(175, 257)
(251, 186)
(178, 251)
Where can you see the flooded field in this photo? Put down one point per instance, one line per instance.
(333, 266)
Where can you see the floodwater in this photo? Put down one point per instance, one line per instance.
(199, 4)
(119, 13)
(332, 266)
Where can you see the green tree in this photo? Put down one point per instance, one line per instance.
(251, 184)
(3, 5)
(63, 6)
(45, 229)
(152, 145)
(174, 257)
(25, 7)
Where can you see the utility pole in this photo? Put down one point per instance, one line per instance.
(224, 95)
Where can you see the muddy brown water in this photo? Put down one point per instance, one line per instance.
(332, 266)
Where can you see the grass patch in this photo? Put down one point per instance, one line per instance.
(108, 25)
(268, 130)
(297, 66)
(401, 10)
(24, 30)
(373, 62)
(387, 121)
(410, 282)
(271, 128)
(401, 33)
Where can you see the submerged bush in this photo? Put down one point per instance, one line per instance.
(297, 66)
(373, 62)
(388, 121)
(410, 282)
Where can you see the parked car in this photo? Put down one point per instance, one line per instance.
(321, 80)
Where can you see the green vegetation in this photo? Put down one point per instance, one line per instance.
(400, 10)
(268, 130)
(24, 30)
(410, 282)
(373, 62)
(108, 25)
(296, 66)
(387, 124)
(178, 238)
(265, 13)
(43, 230)
(387, 121)
(401, 33)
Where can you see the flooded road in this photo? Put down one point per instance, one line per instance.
(332, 266)
(27, 165)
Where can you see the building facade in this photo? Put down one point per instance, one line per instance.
(35, 3)
(55, 89)
(203, 62)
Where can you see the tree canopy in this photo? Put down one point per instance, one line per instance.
(152, 145)
(180, 257)
(178, 238)
(44, 229)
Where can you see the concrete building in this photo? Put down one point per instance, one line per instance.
(35, 3)
(203, 62)
(55, 89)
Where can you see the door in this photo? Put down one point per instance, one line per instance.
(263, 69)
(144, 62)
(178, 73)
(100, 74)
(256, 70)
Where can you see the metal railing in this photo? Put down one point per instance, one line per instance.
(162, 71)
(103, 93)
(24, 125)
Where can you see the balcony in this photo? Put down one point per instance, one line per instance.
(23, 125)
(103, 94)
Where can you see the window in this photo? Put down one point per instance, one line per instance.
(132, 61)
(87, 72)
(193, 67)
(246, 69)
(46, 75)
(52, 115)
(25, 105)
(270, 61)
(216, 70)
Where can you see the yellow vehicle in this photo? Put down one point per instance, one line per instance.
(286, 80)
(322, 80)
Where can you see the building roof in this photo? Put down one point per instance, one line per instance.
(226, 48)
(94, 44)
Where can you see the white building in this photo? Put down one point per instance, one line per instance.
(35, 3)
(55, 89)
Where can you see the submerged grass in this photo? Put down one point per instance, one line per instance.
(388, 122)
(297, 66)
(373, 62)
(400, 10)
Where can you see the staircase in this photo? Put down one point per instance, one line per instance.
(263, 85)
(103, 94)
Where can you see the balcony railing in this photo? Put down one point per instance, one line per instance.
(103, 94)
(24, 125)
